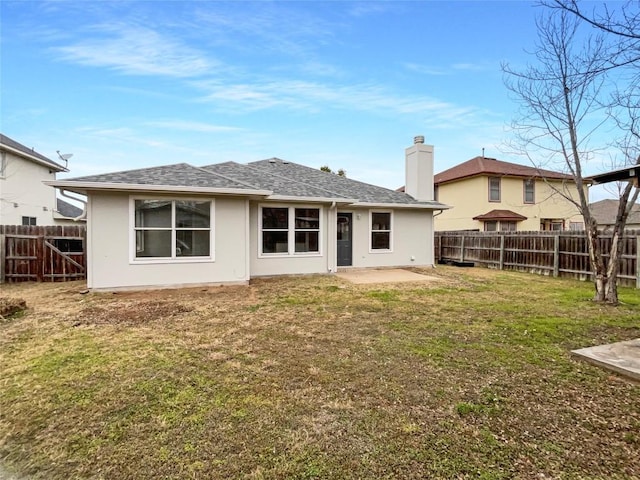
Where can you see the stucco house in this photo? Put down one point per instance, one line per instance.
(24, 198)
(180, 225)
(487, 194)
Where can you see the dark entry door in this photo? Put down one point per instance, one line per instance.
(345, 245)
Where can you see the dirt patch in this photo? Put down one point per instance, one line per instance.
(134, 313)
(10, 306)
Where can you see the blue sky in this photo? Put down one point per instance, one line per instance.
(131, 84)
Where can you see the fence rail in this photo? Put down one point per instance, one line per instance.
(42, 253)
(561, 254)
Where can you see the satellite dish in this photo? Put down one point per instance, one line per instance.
(65, 157)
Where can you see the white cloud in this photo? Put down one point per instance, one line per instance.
(137, 51)
(191, 126)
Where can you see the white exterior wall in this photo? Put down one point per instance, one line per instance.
(324, 262)
(411, 238)
(109, 247)
(22, 185)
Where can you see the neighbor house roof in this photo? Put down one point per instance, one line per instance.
(492, 167)
(501, 215)
(16, 148)
(66, 209)
(605, 212)
(272, 179)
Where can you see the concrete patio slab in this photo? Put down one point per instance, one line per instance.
(387, 275)
(621, 357)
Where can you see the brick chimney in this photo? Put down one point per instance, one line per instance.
(419, 170)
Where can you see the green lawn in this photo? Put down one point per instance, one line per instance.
(469, 376)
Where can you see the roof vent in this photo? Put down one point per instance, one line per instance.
(272, 160)
(418, 139)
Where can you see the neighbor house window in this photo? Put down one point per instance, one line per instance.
(290, 230)
(507, 226)
(381, 231)
(28, 220)
(529, 191)
(490, 226)
(494, 189)
(576, 226)
(172, 229)
(3, 164)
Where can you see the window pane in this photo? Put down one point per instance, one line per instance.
(380, 221)
(153, 213)
(490, 226)
(153, 243)
(308, 218)
(529, 196)
(275, 218)
(193, 214)
(307, 242)
(380, 240)
(494, 189)
(192, 243)
(275, 242)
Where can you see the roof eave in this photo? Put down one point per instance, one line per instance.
(48, 163)
(84, 187)
(293, 198)
(415, 206)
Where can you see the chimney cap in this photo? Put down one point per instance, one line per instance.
(418, 139)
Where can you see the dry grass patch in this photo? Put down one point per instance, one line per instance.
(312, 377)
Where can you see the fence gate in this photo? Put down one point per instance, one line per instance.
(42, 254)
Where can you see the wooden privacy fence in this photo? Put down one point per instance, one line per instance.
(562, 254)
(42, 253)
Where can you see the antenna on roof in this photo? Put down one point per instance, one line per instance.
(65, 157)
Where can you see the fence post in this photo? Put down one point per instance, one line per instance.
(638, 261)
(3, 256)
(461, 248)
(556, 255)
(501, 252)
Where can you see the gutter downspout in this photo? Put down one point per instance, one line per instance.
(333, 254)
(83, 215)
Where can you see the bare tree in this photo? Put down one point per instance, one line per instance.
(565, 105)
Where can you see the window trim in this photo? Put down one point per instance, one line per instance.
(31, 221)
(133, 260)
(532, 182)
(499, 189)
(381, 250)
(291, 231)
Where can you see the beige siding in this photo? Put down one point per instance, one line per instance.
(109, 246)
(470, 198)
(22, 192)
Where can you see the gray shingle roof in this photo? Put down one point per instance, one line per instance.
(179, 175)
(66, 209)
(30, 152)
(274, 175)
(339, 186)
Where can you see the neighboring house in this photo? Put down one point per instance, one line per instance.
(180, 225)
(488, 195)
(605, 212)
(24, 198)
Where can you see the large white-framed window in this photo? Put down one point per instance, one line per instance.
(381, 231)
(289, 230)
(168, 229)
